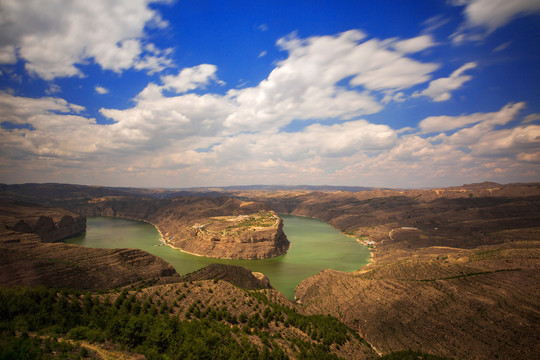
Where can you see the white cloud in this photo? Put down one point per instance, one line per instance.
(414, 45)
(433, 23)
(20, 110)
(53, 129)
(305, 85)
(191, 78)
(446, 123)
(485, 140)
(101, 90)
(493, 14)
(193, 140)
(154, 60)
(488, 15)
(520, 141)
(439, 89)
(330, 141)
(411, 148)
(54, 37)
(182, 141)
(53, 89)
(262, 53)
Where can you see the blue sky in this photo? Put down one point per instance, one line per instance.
(212, 93)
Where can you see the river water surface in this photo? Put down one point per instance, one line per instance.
(315, 245)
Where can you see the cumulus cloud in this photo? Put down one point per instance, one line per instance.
(101, 90)
(20, 110)
(54, 37)
(306, 84)
(48, 127)
(479, 149)
(330, 141)
(489, 15)
(184, 137)
(189, 139)
(481, 135)
(522, 140)
(439, 89)
(191, 78)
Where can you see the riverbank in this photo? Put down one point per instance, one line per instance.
(316, 247)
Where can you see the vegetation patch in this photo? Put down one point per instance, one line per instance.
(151, 325)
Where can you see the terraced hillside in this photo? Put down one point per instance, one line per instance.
(193, 319)
(480, 304)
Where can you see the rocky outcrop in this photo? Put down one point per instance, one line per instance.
(237, 275)
(50, 231)
(50, 224)
(212, 227)
(29, 257)
(236, 241)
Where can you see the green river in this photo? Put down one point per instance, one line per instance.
(315, 245)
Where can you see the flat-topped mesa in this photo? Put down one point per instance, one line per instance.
(254, 236)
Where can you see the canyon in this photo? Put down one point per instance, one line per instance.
(454, 271)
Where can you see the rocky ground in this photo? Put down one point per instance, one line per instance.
(29, 257)
(454, 271)
(237, 275)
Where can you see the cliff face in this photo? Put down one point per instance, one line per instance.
(238, 241)
(223, 227)
(29, 257)
(50, 224)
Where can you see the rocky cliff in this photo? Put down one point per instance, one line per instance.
(28, 256)
(252, 236)
(222, 227)
(50, 224)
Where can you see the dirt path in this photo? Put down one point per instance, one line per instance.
(107, 354)
(103, 353)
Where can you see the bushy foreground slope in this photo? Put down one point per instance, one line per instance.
(191, 320)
